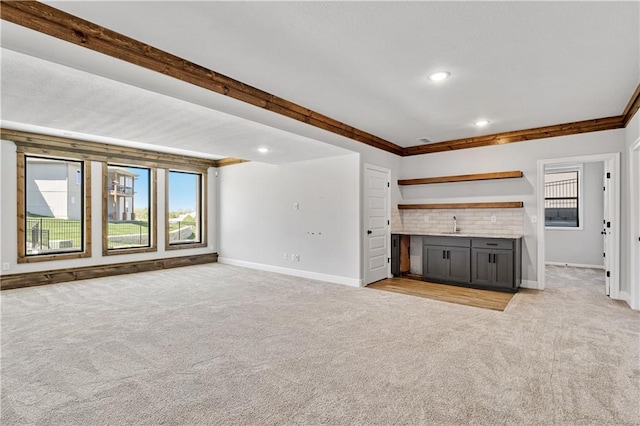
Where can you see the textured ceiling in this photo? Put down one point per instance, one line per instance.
(518, 64)
(42, 93)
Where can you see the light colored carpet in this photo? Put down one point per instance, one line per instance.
(217, 344)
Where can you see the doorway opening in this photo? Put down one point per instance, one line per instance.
(579, 211)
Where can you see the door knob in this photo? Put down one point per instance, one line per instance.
(369, 231)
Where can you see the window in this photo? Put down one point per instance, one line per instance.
(562, 197)
(128, 210)
(185, 225)
(54, 207)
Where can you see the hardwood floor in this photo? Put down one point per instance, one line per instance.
(486, 299)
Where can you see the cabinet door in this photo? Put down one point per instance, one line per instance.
(459, 264)
(503, 264)
(434, 263)
(481, 266)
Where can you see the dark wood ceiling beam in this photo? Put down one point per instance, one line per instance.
(632, 107)
(56, 23)
(229, 161)
(520, 135)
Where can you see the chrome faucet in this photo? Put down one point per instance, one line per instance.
(455, 225)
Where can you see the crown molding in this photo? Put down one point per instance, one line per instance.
(565, 129)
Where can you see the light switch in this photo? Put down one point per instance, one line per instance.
(534, 218)
(296, 206)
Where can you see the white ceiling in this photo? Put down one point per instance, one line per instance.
(518, 64)
(46, 94)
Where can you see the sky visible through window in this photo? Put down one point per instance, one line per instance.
(141, 185)
(183, 189)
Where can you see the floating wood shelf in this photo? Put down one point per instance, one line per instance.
(462, 178)
(493, 205)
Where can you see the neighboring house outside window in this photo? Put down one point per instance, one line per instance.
(121, 193)
(53, 207)
(129, 212)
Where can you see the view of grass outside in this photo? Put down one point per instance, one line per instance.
(46, 229)
(128, 199)
(47, 233)
(184, 207)
(54, 205)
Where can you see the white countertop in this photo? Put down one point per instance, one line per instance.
(458, 234)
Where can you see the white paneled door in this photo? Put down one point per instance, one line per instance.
(606, 228)
(377, 216)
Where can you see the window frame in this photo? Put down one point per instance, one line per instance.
(23, 257)
(566, 168)
(202, 211)
(153, 210)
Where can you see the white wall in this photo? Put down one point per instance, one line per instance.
(259, 224)
(9, 236)
(630, 241)
(516, 156)
(581, 246)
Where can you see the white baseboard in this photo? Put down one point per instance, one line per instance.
(533, 285)
(625, 297)
(575, 265)
(352, 282)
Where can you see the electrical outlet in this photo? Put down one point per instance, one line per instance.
(296, 257)
(296, 206)
(6, 266)
(494, 219)
(534, 218)
(285, 256)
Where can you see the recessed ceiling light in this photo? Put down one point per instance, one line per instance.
(263, 150)
(439, 76)
(481, 123)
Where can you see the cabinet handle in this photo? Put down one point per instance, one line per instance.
(492, 244)
(448, 254)
(444, 254)
(494, 258)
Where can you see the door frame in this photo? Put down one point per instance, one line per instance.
(612, 160)
(634, 245)
(365, 215)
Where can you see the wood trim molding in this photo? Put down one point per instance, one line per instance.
(203, 215)
(30, 279)
(229, 162)
(22, 211)
(462, 178)
(632, 107)
(95, 151)
(520, 135)
(64, 26)
(491, 205)
(153, 224)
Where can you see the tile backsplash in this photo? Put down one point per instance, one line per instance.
(470, 221)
